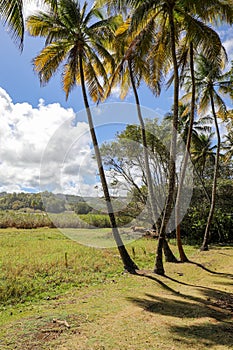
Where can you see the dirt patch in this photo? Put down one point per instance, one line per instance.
(40, 333)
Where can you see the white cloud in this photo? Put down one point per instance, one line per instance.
(33, 6)
(226, 35)
(27, 133)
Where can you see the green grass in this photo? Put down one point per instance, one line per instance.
(46, 279)
(43, 262)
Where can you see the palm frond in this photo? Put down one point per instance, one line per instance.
(49, 59)
(11, 12)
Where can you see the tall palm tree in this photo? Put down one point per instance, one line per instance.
(166, 12)
(214, 11)
(73, 38)
(144, 12)
(197, 39)
(210, 82)
(172, 17)
(130, 51)
(134, 65)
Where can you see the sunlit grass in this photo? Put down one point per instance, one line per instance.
(46, 276)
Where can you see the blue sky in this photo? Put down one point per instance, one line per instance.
(31, 114)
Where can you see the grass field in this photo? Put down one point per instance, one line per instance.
(58, 294)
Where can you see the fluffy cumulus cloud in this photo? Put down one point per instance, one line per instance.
(43, 148)
(226, 35)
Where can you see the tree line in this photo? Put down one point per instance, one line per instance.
(161, 43)
(43, 201)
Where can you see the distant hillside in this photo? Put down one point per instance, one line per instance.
(38, 201)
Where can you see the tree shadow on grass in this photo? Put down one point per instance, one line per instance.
(224, 283)
(176, 308)
(227, 275)
(207, 334)
(212, 297)
(214, 304)
(217, 331)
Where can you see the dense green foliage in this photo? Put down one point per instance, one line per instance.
(193, 224)
(45, 201)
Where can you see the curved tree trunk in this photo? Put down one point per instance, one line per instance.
(159, 269)
(183, 256)
(152, 201)
(214, 185)
(169, 256)
(128, 263)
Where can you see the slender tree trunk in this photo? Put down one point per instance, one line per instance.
(172, 161)
(152, 201)
(214, 185)
(183, 256)
(220, 234)
(128, 263)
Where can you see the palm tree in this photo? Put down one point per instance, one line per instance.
(165, 11)
(144, 12)
(130, 51)
(228, 146)
(210, 82)
(74, 38)
(172, 17)
(203, 153)
(197, 38)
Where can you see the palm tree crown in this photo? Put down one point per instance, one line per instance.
(71, 34)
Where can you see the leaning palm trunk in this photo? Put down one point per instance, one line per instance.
(159, 269)
(167, 251)
(182, 254)
(129, 265)
(214, 185)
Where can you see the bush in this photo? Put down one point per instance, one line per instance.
(82, 208)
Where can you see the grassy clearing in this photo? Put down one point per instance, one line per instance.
(40, 263)
(86, 303)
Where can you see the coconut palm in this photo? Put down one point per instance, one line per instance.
(197, 39)
(73, 38)
(210, 83)
(203, 153)
(164, 12)
(130, 51)
(173, 17)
